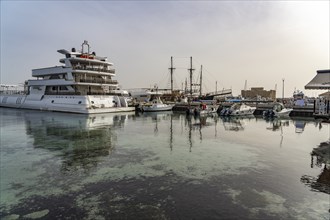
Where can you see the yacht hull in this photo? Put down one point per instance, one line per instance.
(88, 104)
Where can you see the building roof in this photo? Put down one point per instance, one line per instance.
(325, 94)
(320, 81)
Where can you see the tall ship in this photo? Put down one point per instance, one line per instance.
(83, 84)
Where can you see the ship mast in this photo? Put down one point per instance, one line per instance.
(200, 81)
(190, 75)
(171, 70)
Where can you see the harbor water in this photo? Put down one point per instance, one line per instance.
(160, 166)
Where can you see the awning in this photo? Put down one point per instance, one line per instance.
(320, 81)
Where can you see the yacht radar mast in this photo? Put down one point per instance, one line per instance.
(82, 47)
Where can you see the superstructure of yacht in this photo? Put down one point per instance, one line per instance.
(83, 84)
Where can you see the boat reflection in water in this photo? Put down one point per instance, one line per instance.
(277, 124)
(156, 117)
(80, 140)
(190, 123)
(236, 123)
(196, 124)
(320, 157)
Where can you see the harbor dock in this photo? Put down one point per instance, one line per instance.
(301, 111)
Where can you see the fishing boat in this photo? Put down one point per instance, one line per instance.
(84, 84)
(156, 105)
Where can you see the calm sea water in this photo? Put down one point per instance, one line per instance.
(159, 166)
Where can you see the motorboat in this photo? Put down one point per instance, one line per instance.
(83, 84)
(238, 109)
(202, 109)
(280, 110)
(205, 110)
(156, 105)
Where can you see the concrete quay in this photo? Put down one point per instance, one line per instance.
(302, 111)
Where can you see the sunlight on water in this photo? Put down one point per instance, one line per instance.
(164, 166)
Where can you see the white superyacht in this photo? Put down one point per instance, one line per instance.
(83, 84)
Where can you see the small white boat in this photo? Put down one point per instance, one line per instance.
(280, 110)
(156, 105)
(203, 110)
(240, 109)
(208, 111)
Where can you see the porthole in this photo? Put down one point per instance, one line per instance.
(52, 101)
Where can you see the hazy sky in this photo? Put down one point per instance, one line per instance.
(258, 41)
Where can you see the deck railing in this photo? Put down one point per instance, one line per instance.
(93, 69)
(13, 92)
(97, 80)
(79, 93)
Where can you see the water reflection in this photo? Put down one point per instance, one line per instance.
(80, 140)
(300, 126)
(277, 124)
(320, 157)
(235, 123)
(189, 123)
(156, 117)
(157, 166)
(197, 123)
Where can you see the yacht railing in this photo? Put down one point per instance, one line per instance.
(13, 92)
(93, 69)
(97, 80)
(62, 93)
(79, 93)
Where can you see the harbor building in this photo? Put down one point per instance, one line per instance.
(258, 92)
